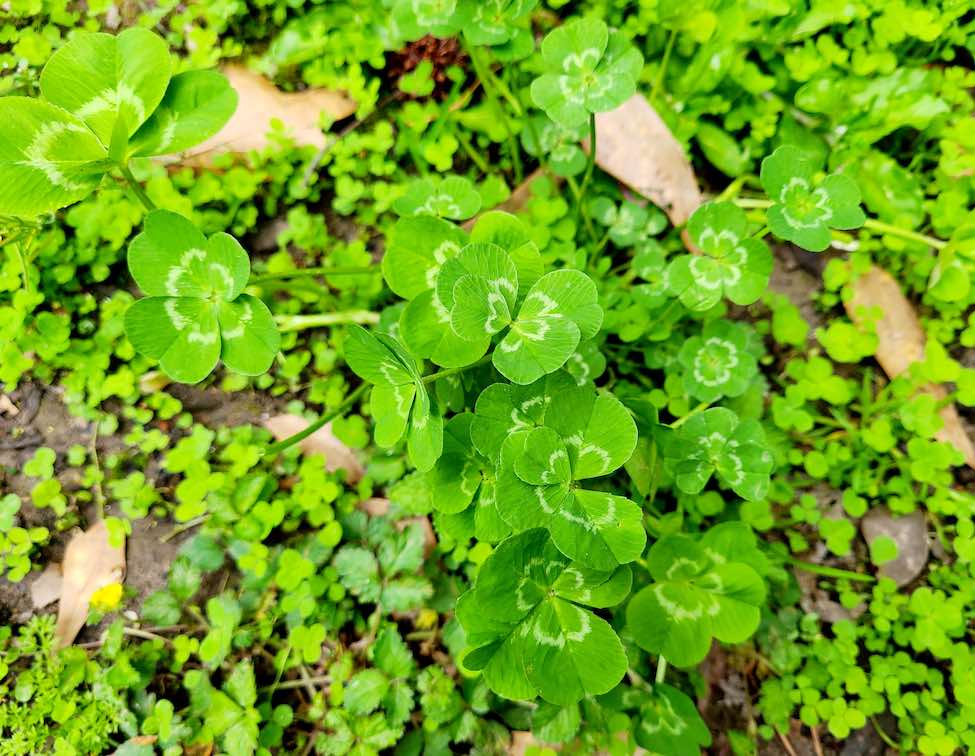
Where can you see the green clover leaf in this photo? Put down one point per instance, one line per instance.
(732, 266)
(584, 435)
(670, 724)
(106, 98)
(692, 599)
(195, 313)
(588, 69)
(559, 311)
(412, 19)
(399, 402)
(715, 442)
(717, 363)
(629, 222)
(528, 627)
(544, 138)
(805, 210)
(450, 197)
(492, 22)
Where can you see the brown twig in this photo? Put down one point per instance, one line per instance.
(786, 744)
(815, 739)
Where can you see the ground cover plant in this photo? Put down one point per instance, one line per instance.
(425, 377)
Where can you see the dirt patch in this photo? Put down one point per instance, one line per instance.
(797, 276)
(218, 409)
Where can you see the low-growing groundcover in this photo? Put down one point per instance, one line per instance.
(581, 472)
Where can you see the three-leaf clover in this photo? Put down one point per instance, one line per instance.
(585, 435)
(451, 197)
(195, 313)
(804, 210)
(715, 442)
(698, 593)
(733, 265)
(717, 363)
(629, 222)
(399, 401)
(528, 628)
(588, 69)
(670, 724)
(105, 99)
(492, 22)
(544, 138)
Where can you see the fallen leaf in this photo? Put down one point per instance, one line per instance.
(909, 532)
(46, 588)
(90, 563)
(337, 455)
(7, 407)
(635, 146)
(901, 342)
(260, 101)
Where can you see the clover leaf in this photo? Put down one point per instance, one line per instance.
(195, 313)
(584, 435)
(670, 724)
(412, 19)
(544, 138)
(588, 69)
(399, 401)
(717, 363)
(464, 480)
(804, 210)
(693, 598)
(492, 22)
(715, 442)
(105, 98)
(528, 627)
(451, 197)
(629, 222)
(732, 266)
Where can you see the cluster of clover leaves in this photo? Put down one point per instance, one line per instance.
(106, 100)
(513, 442)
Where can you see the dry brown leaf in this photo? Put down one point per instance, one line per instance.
(259, 102)
(337, 455)
(901, 342)
(7, 407)
(90, 563)
(635, 146)
(909, 532)
(46, 588)
(518, 198)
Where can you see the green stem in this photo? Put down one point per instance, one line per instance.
(749, 203)
(658, 82)
(479, 161)
(661, 670)
(731, 191)
(288, 323)
(349, 403)
(760, 234)
(681, 420)
(581, 210)
(309, 272)
(903, 233)
(137, 189)
(833, 572)
(488, 82)
(454, 371)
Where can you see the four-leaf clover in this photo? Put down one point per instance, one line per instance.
(804, 210)
(195, 312)
(733, 265)
(528, 627)
(717, 363)
(588, 69)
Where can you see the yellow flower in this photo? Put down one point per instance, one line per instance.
(107, 598)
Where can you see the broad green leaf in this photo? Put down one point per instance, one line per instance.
(717, 363)
(424, 437)
(510, 233)
(599, 431)
(390, 408)
(528, 632)
(48, 158)
(100, 77)
(196, 105)
(181, 332)
(457, 477)
(670, 724)
(491, 22)
(545, 461)
(452, 197)
(480, 288)
(173, 258)
(364, 692)
(415, 249)
(426, 330)
(250, 339)
(372, 360)
(693, 600)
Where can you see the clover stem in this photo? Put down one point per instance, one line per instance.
(344, 407)
(136, 188)
(288, 323)
(752, 203)
(581, 211)
(320, 271)
(681, 420)
(833, 572)
(761, 233)
(489, 83)
(454, 371)
(904, 233)
(731, 191)
(661, 670)
(658, 82)
(883, 735)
